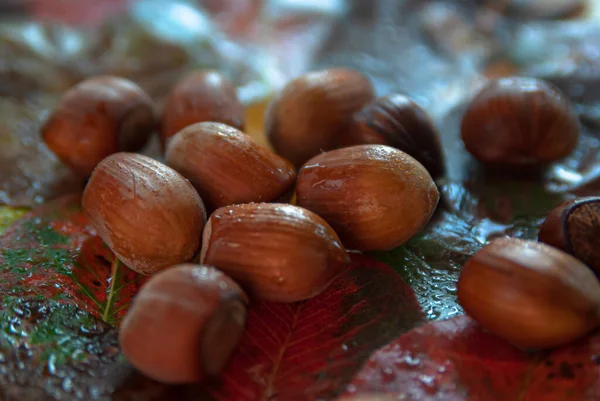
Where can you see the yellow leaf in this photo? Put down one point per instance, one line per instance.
(9, 215)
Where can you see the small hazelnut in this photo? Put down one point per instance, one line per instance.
(184, 324)
(374, 196)
(277, 252)
(520, 122)
(98, 117)
(228, 167)
(147, 213)
(201, 96)
(530, 294)
(574, 227)
(397, 121)
(314, 111)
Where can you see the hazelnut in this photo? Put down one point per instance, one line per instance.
(397, 121)
(147, 213)
(574, 227)
(277, 252)
(96, 118)
(530, 294)
(314, 111)
(374, 196)
(184, 324)
(201, 96)
(520, 122)
(228, 167)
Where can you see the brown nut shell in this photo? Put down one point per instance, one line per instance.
(520, 122)
(184, 324)
(201, 96)
(529, 293)
(574, 227)
(147, 213)
(314, 111)
(98, 117)
(397, 121)
(277, 252)
(374, 196)
(227, 166)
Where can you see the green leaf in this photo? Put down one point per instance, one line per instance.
(54, 252)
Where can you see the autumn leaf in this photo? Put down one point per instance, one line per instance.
(9, 215)
(53, 252)
(309, 350)
(456, 360)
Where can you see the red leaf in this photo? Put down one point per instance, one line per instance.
(455, 360)
(78, 12)
(54, 252)
(309, 350)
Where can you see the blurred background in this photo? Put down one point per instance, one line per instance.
(437, 52)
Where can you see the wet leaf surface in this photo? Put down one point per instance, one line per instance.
(308, 350)
(53, 252)
(455, 360)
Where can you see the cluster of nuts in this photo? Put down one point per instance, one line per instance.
(364, 182)
(369, 195)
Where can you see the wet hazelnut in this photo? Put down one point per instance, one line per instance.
(314, 110)
(276, 252)
(228, 167)
(574, 227)
(184, 324)
(374, 196)
(147, 213)
(530, 294)
(397, 121)
(201, 96)
(520, 122)
(98, 117)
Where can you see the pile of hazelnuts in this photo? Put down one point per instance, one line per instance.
(212, 221)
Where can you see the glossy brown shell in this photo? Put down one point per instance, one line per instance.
(227, 166)
(574, 227)
(201, 96)
(374, 196)
(529, 293)
(96, 118)
(397, 121)
(277, 252)
(147, 213)
(521, 122)
(184, 324)
(314, 110)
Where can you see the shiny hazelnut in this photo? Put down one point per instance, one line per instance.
(96, 118)
(228, 167)
(520, 122)
(184, 324)
(529, 293)
(374, 196)
(201, 96)
(397, 121)
(277, 252)
(314, 111)
(574, 227)
(147, 213)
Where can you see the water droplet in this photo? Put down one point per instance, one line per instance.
(388, 375)
(67, 384)
(351, 389)
(344, 347)
(429, 383)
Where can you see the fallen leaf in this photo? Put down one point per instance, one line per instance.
(456, 360)
(53, 252)
(309, 350)
(9, 215)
